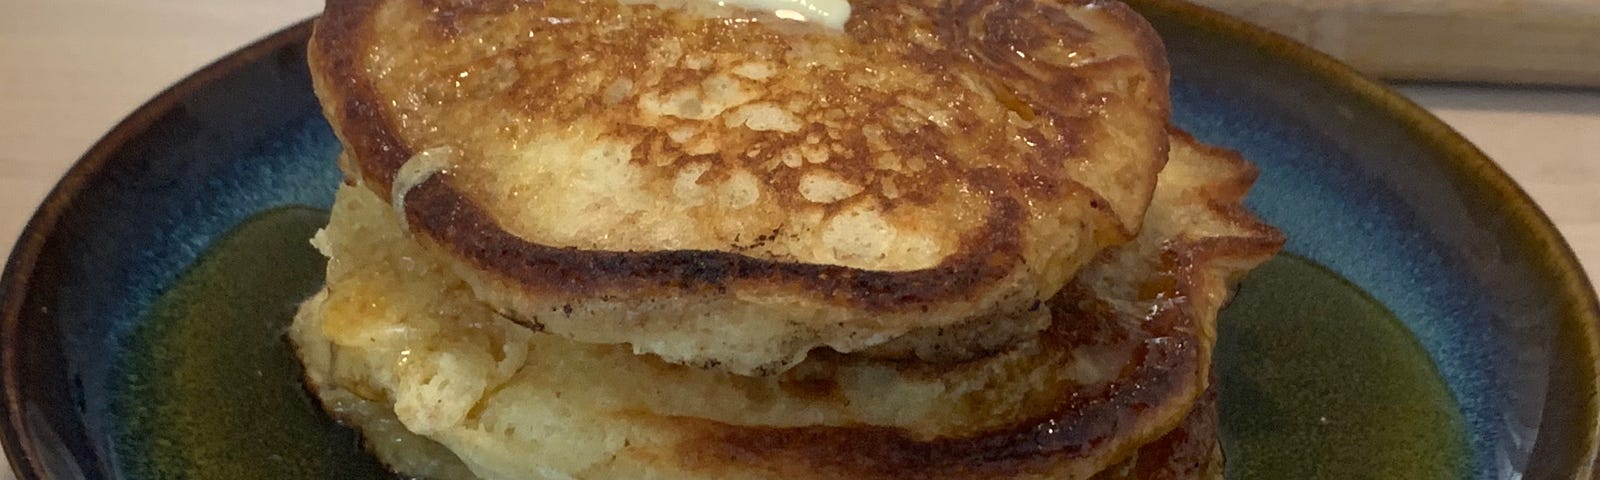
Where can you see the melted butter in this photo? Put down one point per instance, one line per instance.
(829, 13)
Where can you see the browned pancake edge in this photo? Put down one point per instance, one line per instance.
(442, 212)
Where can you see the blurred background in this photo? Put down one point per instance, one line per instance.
(1524, 79)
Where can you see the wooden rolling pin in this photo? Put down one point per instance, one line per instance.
(1549, 42)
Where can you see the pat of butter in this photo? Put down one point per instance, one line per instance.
(828, 13)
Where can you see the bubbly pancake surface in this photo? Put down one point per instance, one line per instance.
(1122, 364)
(723, 187)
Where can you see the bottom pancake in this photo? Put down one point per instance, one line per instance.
(1190, 451)
(1124, 361)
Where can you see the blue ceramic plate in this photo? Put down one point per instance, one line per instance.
(1425, 322)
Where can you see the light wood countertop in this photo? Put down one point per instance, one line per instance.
(71, 69)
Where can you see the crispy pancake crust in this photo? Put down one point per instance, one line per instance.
(1203, 238)
(1189, 452)
(720, 187)
(1123, 363)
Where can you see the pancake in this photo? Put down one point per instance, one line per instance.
(1123, 362)
(724, 188)
(1189, 451)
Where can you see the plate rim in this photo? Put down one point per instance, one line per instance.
(1419, 123)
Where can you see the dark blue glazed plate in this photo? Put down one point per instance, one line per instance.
(1427, 321)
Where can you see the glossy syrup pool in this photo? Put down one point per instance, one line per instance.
(209, 387)
(1318, 379)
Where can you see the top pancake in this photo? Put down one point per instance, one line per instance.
(723, 187)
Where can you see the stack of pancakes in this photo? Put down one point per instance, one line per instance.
(677, 239)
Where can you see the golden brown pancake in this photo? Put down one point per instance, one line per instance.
(1123, 362)
(721, 187)
(1190, 451)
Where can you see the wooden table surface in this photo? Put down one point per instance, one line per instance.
(70, 69)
